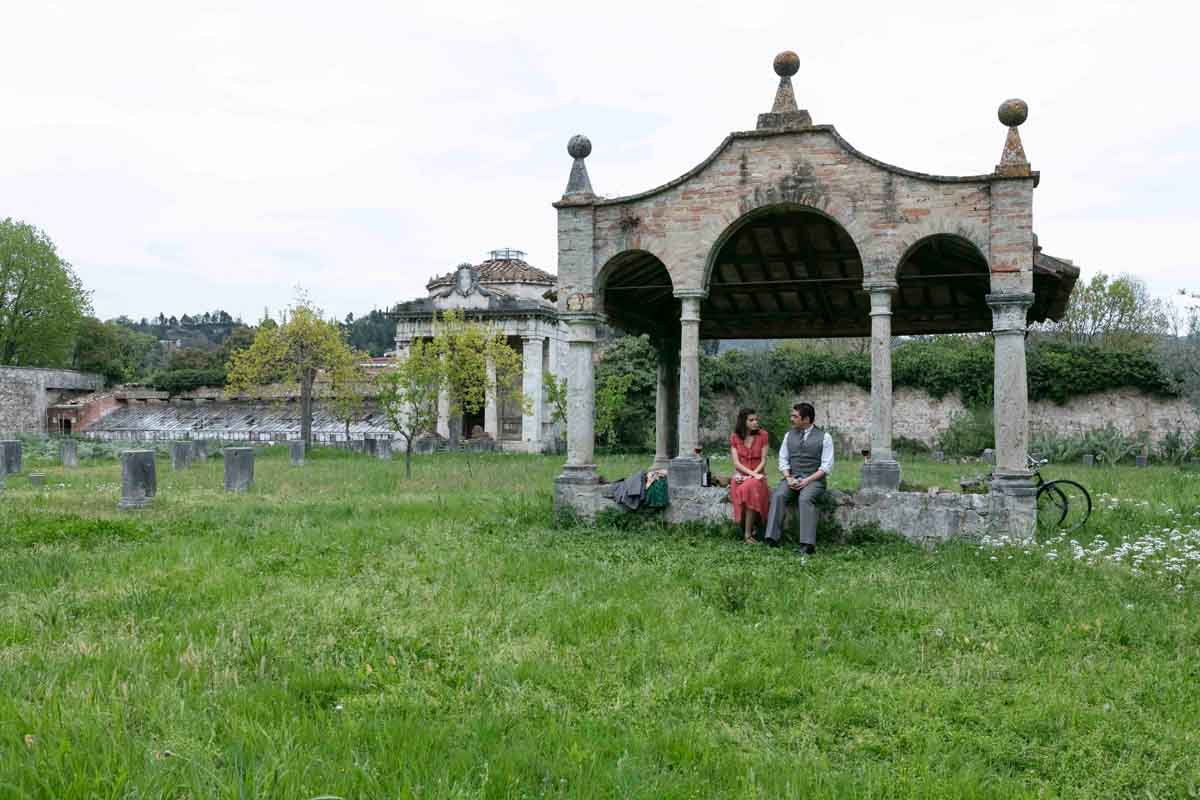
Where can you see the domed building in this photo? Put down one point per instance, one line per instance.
(506, 292)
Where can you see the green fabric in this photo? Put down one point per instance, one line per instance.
(656, 495)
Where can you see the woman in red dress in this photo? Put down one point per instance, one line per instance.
(748, 489)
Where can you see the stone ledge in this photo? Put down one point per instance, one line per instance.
(922, 517)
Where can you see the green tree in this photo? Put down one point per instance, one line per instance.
(468, 347)
(113, 350)
(41, 299)
(635, 357)
(408, 393)
(612, 391)
(291, 354)
(1179, 352)
(1115, 314)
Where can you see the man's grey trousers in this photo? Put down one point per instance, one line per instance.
(785, 494)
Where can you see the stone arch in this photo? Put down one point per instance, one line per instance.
(907, 238)
(942, 283)
(784, 271)
(635, 292)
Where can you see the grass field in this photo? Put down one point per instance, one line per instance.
(340, 631)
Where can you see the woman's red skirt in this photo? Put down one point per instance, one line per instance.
(751, 493)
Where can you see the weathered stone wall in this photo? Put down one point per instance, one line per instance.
(846, 409)
(26, 393)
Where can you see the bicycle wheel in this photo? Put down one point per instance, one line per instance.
(1063, 505)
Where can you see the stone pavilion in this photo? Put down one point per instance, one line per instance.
(505, 292)
(788, 231)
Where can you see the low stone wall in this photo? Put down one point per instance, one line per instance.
(846, 409)
(925, 518)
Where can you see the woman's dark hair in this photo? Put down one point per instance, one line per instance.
(740, 428)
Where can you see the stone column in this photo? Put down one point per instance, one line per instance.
(239, 468)
(581, 401)
(531, 388)
(491, 411)
(443, 414)
(138, 479)
(881, 472)
(10, 456)
(662, 411)
(69, 453)
(1011, 392)
(181, 455)
(686, 467)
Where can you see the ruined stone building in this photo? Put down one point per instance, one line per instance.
(507, 293)
(789, 231)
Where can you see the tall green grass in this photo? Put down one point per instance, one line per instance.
(340, 631)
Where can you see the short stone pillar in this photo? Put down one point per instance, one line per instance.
(239, 468)
(37, 479)
(181, 455)
(939, 456)
(10, 457)
(199, 450)
(296, 451)
(1141, 460)
(685, 469)
(139, 481)
(68, 451)
(1089, 459)
(881, 472)
(383, 449)
(988, 456)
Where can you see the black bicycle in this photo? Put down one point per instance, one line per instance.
(1062, 505)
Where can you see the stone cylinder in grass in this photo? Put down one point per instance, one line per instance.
(939, 456)
(10, 457)
(37, 479)
(239, 468)
(199, 450)
(139, 481)
(181, 455)
(296, 451)
(68, 451)
(383, 449)
(1089, 459)
(1142, 461)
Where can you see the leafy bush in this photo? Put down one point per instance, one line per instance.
(970, 433)
(1110, 445)
(1177, 446)
(630, 363)
(909, 447)
(1058, 448)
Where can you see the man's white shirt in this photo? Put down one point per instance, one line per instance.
(826, 450)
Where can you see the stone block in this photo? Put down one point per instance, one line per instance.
(199, 450)
(139, 480)
(1089, 459)
(429, 443)
(684, 473)
(1142, 461)
(988, 456)
(239, 468)
(68, 451)
(481, 444)
(383, 449)
(10, 457)
(37, 479)
(181, 455)
(939, 456)
(296, 452)
(880, 476)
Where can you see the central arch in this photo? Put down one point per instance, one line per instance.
(785, 272)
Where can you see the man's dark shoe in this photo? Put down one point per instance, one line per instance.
(771, 542)
(808, 549)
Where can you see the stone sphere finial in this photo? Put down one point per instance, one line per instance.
(1013, 112)
(787, 64)
(579, 146)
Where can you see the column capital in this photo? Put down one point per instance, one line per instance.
(875, 287)
(685, 294)
(1009, 311)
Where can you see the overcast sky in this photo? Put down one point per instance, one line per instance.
(187, 157)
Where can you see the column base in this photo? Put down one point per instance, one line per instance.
(578, 474)
(661, 462)
(879, 476)
(1018, 483)
(684, 471)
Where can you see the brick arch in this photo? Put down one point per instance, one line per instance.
(910, 237)
(764, 202)
(635, 291)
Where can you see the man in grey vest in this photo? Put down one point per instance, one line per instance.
(805, 459)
